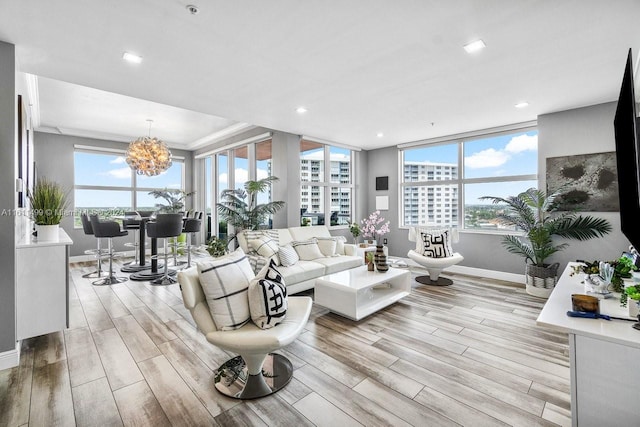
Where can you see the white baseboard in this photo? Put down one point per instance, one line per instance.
(489, 274)
(11, 358)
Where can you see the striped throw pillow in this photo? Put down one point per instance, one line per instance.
(268, 297)
(288, 256)
(225, 282)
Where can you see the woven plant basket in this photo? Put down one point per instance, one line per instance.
(540, 281)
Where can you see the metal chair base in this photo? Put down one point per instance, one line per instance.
(426, 280)
(164, 281)
(134, 267)
(232, 379)
(109, 280)
(147, 275)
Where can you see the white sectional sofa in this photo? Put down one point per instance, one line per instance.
(303, 274)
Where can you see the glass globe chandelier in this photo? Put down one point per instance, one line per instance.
(148, 156)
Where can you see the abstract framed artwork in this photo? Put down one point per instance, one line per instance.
(591, 181)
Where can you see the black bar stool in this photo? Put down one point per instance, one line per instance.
(165, 226)
(107, 230)
(191, 225)
(88, 230)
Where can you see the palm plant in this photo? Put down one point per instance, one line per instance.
(538, 215)
(175, 199)
(240, 207)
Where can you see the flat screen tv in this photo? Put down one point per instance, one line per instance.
(627, 151)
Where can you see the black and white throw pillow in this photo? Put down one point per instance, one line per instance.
(437, 245)
(268, 297)
(225, 282)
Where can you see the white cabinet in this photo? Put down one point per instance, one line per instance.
(42, 286)
(603, 355)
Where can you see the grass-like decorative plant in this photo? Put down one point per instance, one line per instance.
(48, 202)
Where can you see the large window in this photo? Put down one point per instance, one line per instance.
(326, 190)
(104, 183)
(443, 184)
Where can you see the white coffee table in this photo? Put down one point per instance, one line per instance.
(357, 293)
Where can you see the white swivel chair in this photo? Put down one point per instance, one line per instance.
(433, 265)
(255, 372)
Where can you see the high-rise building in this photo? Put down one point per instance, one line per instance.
(435, 204)
(312, 196)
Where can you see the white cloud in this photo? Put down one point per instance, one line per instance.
(522, 143)
(118, 160)
(489, 158)
(241, 176)
(223, 178)
(261, 174)
(122, 173)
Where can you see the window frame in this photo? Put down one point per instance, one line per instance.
(460, 181)
(132, 189)
(327, 184)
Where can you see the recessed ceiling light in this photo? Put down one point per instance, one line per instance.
(130, 57)
(380, 134)
(522, 104)
(474, 46)
(301, 110)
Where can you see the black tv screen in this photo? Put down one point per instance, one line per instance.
(627, 151)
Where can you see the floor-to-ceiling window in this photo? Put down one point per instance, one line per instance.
(105, 184)
(326, 184)
(442, 184)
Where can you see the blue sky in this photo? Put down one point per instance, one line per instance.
(112, 170)
(503, 155)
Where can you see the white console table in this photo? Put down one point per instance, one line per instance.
(604, 355)
(42, 285)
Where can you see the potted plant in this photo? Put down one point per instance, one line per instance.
(370, 255)
(354, 228)
(217, 246)
(537, 215)
(48, 204)
(633, 293)
(240, 208)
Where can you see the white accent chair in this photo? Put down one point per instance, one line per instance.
(433, 265)
(255, 372)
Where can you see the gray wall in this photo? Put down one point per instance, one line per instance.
(579, 131)
(8, 201)
(54, 160)
(582, 131)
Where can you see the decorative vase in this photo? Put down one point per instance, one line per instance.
(380, 258)
(47, 233)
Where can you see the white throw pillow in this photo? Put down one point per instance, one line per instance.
(340, 241)
(225, 282)
(327, 245)
(307, 250)
(437, 244)
(288, 256)
(268, 297)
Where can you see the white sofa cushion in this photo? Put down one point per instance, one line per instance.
(225, 281)
(339, 263)
(306, 233)
(268, 297)
(307, 250)
(301, 271)
(327, 245)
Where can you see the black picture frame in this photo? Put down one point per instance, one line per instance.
(382, 183)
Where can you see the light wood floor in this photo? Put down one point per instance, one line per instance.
(468, 354)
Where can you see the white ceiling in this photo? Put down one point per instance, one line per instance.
(360, 67)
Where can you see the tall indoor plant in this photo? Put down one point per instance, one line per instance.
(48, 204)
(536, 213)
(240, 207)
